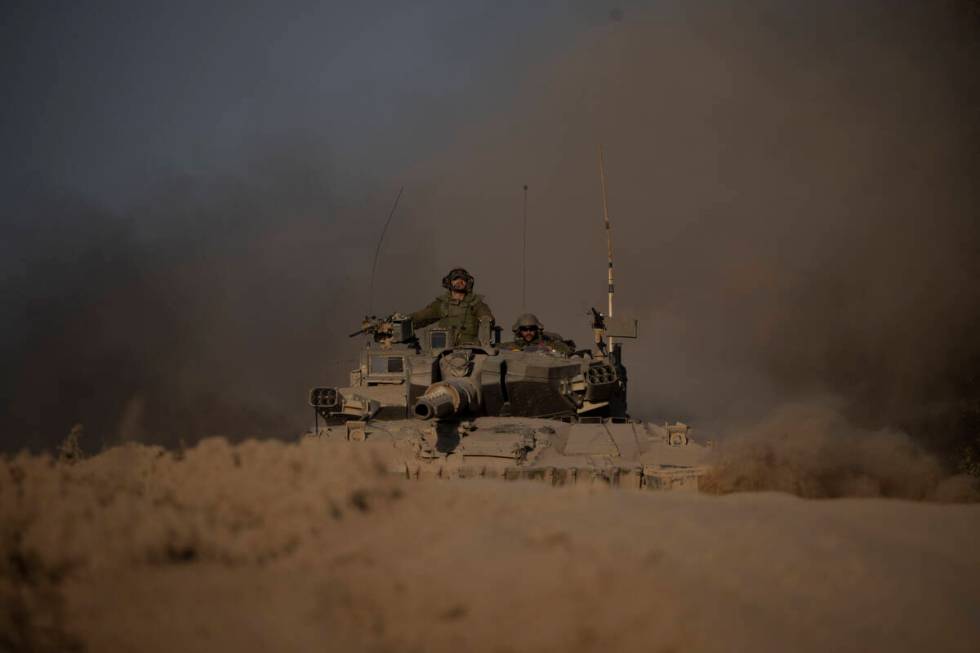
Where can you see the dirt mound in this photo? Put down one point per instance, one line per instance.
(311, 546)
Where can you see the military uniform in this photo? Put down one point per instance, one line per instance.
(462, 317)
(542, 340)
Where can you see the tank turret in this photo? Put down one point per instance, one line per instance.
(407, 376)
(483, 409)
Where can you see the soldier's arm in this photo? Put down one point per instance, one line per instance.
(558, 344)
(564, 348)
(427, 315)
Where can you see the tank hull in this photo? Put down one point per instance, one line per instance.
(612, 452)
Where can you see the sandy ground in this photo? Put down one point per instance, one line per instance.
(270, 546)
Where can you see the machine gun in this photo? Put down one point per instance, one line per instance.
(371, 324)
(394, 329)
(599, 331)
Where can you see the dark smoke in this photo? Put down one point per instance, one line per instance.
(794, 209)
(199, 311)
(794, 206)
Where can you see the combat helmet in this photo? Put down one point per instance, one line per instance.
(527, 320)
(458, 273)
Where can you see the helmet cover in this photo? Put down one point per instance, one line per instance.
(458, 273)
(527, 320)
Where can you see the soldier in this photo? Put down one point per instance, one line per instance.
(529, 335)
(459, 310)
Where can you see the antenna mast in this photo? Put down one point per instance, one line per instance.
(605, 218)
(524, 258)
(377, 250)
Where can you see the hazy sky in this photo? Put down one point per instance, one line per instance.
(107, 97)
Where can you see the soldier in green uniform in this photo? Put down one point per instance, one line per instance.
(529, 335)
(459, 310)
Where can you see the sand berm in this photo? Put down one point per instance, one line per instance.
(311, 546)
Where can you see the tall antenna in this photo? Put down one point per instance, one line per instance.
(524, 258)
(377, 250)
(605, 218)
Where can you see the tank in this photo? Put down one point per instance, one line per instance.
(486, 411)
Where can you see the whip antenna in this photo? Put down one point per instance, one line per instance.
(605, 218)
(377, 250)
(524, 258)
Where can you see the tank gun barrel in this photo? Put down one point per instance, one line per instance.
(448, 399)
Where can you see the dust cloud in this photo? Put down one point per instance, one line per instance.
(300, 546)
(211, 307)
(793, 204)
(812, 451)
